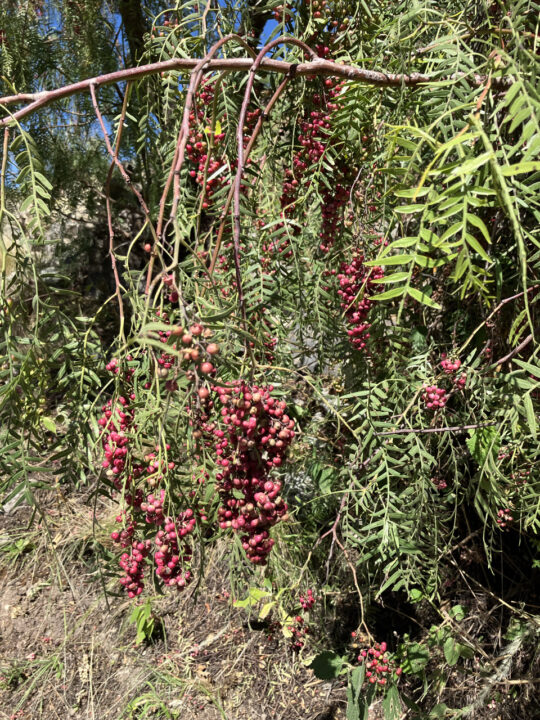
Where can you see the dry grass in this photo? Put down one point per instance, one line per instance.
(66, 651)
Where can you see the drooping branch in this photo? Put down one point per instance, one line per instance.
(318, 67)
(114, 154)
(264, 115)
(240, 170)
(115, 162)
(174, 173)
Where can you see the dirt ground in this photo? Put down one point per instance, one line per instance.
(68, 651)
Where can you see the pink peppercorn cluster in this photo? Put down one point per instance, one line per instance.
(174, 551)
(130, 476)
(434, 397)
(520, 477)
(118, 421)
(450, 367)
(251, 437)
(153, 508)
(504, 517)
(203, 148)
(356, 284)
(156, 468)
(113, 366)
(380, 667)
(124, 536)
(314, 138)
(439, 483)
(298, 630)
(307, 601)
(250, 442)
(200, 152)
(133, 565)
(193, 348)
(327, 11)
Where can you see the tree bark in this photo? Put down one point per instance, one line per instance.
(254, 19)
(134, 27)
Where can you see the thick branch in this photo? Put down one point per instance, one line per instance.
(307, 69)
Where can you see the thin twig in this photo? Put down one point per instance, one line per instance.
(112, 153)
(495, 310)
(115, 161)
(3, 171)
(456, 428)
(513, 352)
(205, 15)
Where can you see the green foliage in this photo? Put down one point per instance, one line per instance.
(327, 665)
(358, 703)
(145, 622)
(441, 184)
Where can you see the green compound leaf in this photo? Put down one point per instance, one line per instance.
(482, 442)
(327, 665)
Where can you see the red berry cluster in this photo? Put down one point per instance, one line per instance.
(356, 284)
(504, 452)
(520, 477)
(380, 667)
(194, 351)
(124, 536)
(321, 10)
(117, 421)
(299, 630)
(315, 139)
(319, 7)
(169, 23)
(250, 442)
(307, 601)
(129, 476)
(113, 366)
(133, 565)
(504, 517)
(173, 550)
(203, 147)
(153, 508)
(452, 366)
(434, 397)
(156, 467)
(439, 483)
(328, 12)
(449, 366)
